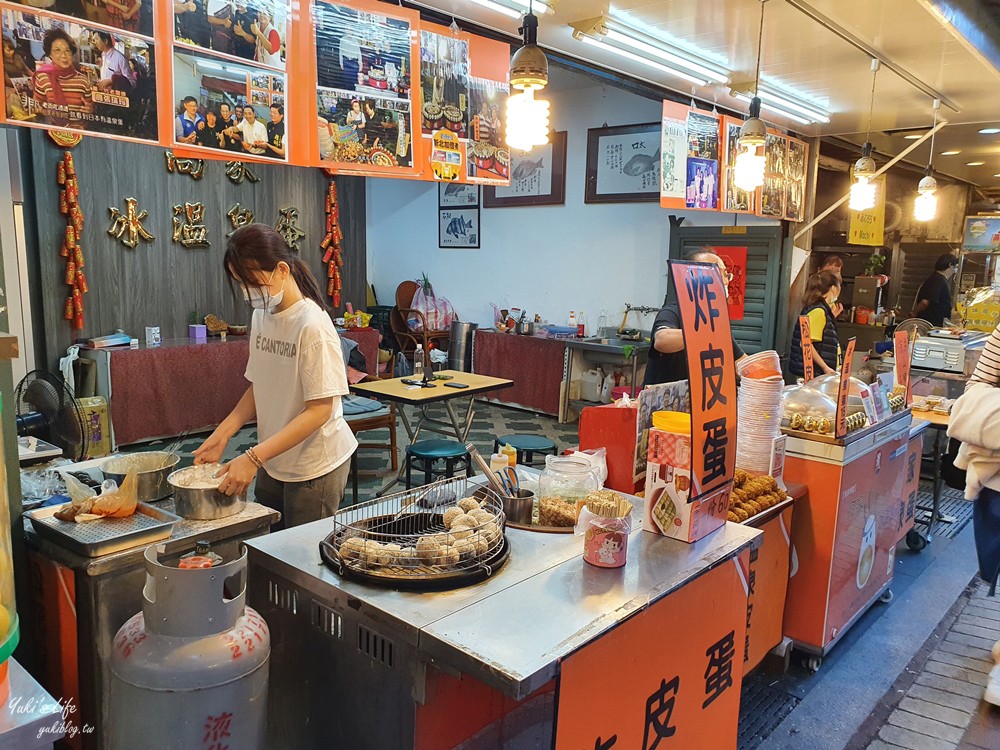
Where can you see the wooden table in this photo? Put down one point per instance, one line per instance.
(414, 395)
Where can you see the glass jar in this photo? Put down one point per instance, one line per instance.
(568, 478)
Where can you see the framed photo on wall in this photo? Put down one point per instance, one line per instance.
(537, 177)
(623, 164)
(456, 195)
(458, 227)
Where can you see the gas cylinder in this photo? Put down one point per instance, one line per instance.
(190, 670)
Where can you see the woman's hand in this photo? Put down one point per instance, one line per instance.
(239, 473)
(210, 452)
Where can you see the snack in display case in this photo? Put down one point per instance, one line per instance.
(753, 495)
(806, 409)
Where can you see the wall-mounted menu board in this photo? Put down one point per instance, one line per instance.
(698, 167)
(226, 79)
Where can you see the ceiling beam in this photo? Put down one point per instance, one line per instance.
(860, 44)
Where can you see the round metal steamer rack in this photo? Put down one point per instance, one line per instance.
(462, 557)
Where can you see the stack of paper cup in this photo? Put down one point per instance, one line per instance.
(759, 410)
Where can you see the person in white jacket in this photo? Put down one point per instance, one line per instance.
(975, 421)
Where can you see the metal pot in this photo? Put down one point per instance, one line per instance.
(526, 328)
(204, 504)
(518, 509)
(152, 484)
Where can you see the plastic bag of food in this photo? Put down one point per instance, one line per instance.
(77, 490)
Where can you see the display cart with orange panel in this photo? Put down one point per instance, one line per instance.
(845, 532)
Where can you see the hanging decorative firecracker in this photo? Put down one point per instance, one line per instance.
(331, 245)
(69, 206)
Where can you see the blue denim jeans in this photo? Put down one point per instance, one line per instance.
(986, 527)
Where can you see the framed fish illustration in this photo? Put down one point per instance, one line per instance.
(537, 177)
(458, 227)
(457, 195)
(623, 164)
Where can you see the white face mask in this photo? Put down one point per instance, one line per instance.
(260, 299)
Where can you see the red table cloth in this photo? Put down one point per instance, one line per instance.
(180, 386)
(534, 364)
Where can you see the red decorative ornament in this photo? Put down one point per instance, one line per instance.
(333, 255)
(71, 250)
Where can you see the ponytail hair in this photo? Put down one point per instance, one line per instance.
(258, 247)
(817, 286)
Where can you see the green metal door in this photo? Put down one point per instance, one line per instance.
(756, 332)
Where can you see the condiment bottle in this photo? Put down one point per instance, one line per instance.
(572, 319)
(581, 325)
(499, 462)
(511, 454)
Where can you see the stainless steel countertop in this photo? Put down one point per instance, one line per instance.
(512, 630)
(30, 717)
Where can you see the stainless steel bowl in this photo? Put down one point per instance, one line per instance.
(152, 483)
(203, 504)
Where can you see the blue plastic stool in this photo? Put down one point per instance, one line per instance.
(424, 455)
(526, 446)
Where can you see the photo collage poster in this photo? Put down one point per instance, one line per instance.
(734, 200)
(90, 70)
(229, 77)
(364, 106)
(795, 179)
(488, 154)
(772, 193)
(702, 181)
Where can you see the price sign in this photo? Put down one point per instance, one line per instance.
(807, 348)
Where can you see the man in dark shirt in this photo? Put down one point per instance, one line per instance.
(191, 18)
(934, 296)
(226, 123)
(374, 130)
(667, 359)
(276, 132)
(244, 42)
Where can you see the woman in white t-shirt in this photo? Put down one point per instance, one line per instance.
(297, 378)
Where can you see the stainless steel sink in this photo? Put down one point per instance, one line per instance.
(610, 342)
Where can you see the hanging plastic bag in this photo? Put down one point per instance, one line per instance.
(66, 367)
(437, 312)
(598, 460)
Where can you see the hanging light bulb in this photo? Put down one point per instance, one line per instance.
(864, 191)
(528, 117)
(925, 206)
(749, 171)
(527, 121)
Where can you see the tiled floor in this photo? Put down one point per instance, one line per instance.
(490, 421)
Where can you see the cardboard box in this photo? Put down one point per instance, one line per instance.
(668, 489)
(97, 423)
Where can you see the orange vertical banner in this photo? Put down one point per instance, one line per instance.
(901, 353)
(845, 388)
(708, 344)
(807, 348)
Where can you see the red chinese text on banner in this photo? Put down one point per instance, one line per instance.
(845, 388)
(708, 344)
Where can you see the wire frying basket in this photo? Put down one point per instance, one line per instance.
(442, 535)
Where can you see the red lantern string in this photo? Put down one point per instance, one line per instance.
(333, 255)
(69, 197)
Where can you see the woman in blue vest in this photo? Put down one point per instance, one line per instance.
(822, 291)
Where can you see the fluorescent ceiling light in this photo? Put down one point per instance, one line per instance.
(615, 37)
(913, 136)
(786, 103)
(534, 4)
(776, 110)
(989, 131)
(950, 153)
(210, 65)
(639, 58)
(506, 10)
(974, 163)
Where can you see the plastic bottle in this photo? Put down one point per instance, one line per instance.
(607, 387)
(602, 322)
(508, 450)
(581, 325)
(499, 462)
(418, 362)
(572, 319)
